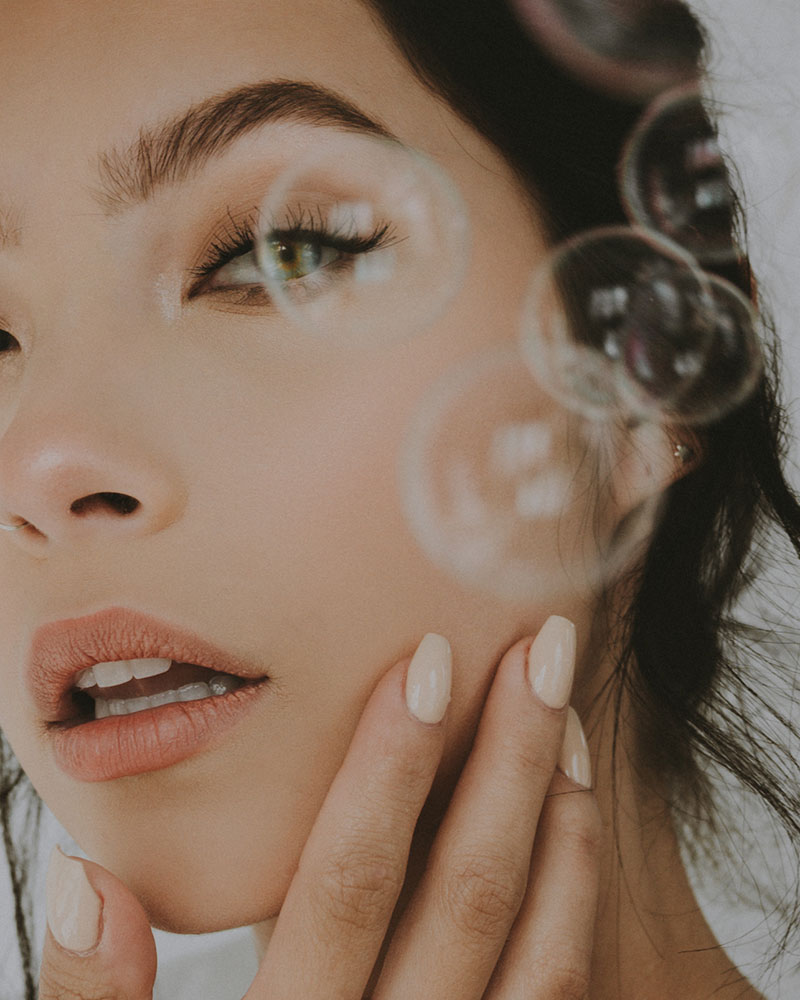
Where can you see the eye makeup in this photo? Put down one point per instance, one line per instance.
(308, 239)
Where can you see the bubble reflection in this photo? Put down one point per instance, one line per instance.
(362, 241)
(674, 178)
(519, 497)
(617, 320)
(633, 48)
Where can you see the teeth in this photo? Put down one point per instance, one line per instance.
(110, 674)
(85, 678)
(218, 685)
(120, 672)
(194, 692)
(223, 683)
(149, 668)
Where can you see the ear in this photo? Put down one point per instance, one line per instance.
(651, 457)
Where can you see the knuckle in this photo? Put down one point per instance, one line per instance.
(568, 983)
(483, 894)
(530, 763)
(356, 887)
(581, 836)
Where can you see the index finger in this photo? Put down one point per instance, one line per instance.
(339, 904)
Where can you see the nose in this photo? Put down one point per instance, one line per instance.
(77, 465)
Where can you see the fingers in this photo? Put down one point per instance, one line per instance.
(99, 943)
(549, 953)
(454, 931)
(338, 908)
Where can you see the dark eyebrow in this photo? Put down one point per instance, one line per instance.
(171, 151)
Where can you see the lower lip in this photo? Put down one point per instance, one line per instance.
(121, 746)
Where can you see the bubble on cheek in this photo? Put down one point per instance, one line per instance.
(633, 48)
(674, 178)
(362, 241)
(514, 494)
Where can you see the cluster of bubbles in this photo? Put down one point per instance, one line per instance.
(621, 321)
(540, 469)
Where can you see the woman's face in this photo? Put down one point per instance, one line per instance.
(268, 521)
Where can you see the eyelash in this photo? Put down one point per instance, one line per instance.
(238, 239)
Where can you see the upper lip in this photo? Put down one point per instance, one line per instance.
(61, 649)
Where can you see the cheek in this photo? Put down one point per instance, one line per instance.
(295, 550)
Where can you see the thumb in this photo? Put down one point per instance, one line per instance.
(99, 943)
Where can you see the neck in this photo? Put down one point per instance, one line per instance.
(652, 941)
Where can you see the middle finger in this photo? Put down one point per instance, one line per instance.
(457, 923)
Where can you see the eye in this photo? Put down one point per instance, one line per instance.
(292, 258)
(306, 255)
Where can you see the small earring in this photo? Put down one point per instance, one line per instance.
(683, 453)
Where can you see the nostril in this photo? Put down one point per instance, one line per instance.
(115, 503)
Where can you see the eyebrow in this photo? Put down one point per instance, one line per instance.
(171, 151)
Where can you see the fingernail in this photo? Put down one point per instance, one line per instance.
(428, 679)
(574, 760)
(551, 661)
(73, 907)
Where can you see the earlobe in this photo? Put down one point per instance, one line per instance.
(687, 451)
(651, 458)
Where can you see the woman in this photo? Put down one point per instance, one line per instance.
(186, 490)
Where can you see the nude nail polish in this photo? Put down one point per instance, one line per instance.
(551, 661)
(428, 679)
(73, 907)
(574, 760)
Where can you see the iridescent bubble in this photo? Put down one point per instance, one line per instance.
(630, 48)
(674, 178)
(732, 364)
(362, 241)
(519, 497)
(617, 321)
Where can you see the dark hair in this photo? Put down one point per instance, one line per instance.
(564, 139)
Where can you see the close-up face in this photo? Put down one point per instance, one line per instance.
(200, 480)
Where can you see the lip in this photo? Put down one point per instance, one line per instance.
(153, 739)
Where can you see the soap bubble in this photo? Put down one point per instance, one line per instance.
(630, 48)
(732, 364)
(516, 495)
(674, 178)
(362, 241)
(621, 320)
(617, 320)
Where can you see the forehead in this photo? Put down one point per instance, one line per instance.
(78, 77)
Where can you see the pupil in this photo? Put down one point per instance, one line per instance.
(286, 253)
(295, 259)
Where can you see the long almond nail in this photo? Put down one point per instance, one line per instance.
(574, 760)
(73, 907)
(551, 661)
(428, 679)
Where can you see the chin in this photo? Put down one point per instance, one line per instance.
(203, 898)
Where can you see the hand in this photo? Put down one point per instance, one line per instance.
(505, 909)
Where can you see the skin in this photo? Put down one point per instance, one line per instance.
(113, 390)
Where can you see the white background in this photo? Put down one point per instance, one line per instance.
(755, 69)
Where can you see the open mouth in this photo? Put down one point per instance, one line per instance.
(123, 687)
